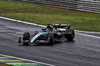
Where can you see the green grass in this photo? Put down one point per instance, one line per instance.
(41, 14)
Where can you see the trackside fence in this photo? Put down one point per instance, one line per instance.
(88, 6)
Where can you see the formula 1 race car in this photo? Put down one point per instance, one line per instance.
(48, 35)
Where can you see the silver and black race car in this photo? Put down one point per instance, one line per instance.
(49, 35)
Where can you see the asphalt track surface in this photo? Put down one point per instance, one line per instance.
(83, 51)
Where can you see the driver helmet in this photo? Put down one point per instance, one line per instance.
(50, 26)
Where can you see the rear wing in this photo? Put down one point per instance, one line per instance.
(60, 25)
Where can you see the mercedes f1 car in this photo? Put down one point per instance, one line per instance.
(49, 35)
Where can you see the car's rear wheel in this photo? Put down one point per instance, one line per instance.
(70, 34)
(26, 38)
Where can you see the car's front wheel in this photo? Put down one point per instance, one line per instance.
(26, 38)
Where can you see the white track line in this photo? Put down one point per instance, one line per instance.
(22, 22)
(88, 35)
(25, 59)
(87, 32)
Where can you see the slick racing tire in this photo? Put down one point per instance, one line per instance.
(26, 38)
(51, 39)
(70, 34)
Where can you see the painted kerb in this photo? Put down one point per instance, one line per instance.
(88, 6)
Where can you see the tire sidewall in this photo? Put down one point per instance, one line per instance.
(26, 36)
(71, 35)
